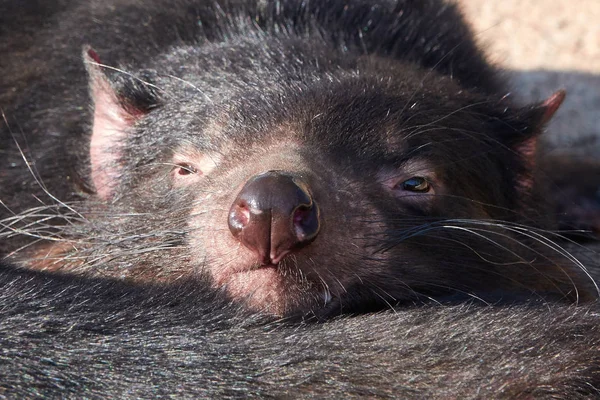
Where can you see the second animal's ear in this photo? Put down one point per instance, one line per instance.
(117, 105)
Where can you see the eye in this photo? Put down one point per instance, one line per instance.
(415, 184)
(185, 173)
(185, 169)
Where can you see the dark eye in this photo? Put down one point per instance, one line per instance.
(185, 169)
(416, 184)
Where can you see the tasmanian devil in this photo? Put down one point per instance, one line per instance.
(71, 337)
(308, 157)
(299, 157)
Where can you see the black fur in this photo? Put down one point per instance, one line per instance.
(345, 95)
(353, 99)
(69, 337)
(44, 74)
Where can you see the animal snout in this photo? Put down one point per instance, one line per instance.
(273, 215)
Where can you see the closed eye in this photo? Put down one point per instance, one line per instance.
(185, 169)
(190, 166)
(183, 174)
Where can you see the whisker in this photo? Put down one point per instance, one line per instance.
(34, 173)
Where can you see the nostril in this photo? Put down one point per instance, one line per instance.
(306, 222)
(239, 216)
(301, 214)
(274, 214)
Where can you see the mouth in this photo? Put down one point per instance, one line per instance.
(262, 287)
(272, 289)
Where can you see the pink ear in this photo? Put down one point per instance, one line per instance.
(545, 112)
(551, 105)
(111, 122)
(528, 148)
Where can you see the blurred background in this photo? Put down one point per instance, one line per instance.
(548, 45)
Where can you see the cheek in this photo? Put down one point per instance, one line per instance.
(211, 242)
(184, 174)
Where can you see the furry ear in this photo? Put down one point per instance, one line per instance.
(549, 107)
(574, 183)
(519, 129)
(117, 106)
(111, 121)
(540, 115)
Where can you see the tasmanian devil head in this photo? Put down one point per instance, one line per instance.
(302, 180)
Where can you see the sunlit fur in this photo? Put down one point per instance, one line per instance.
(357, 96)
(354, 98)
(70, 337)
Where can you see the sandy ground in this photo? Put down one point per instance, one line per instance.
(548, 45)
